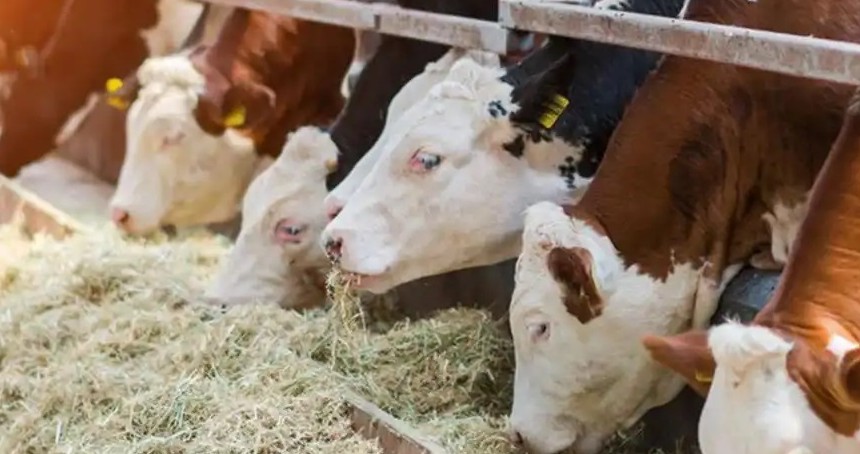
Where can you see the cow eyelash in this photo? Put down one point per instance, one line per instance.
(423, 161)
(287, 233)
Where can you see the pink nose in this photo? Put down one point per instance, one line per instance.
(120, 217)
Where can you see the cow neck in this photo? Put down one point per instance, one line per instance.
(308, 97)
(690, 184)
(228, 54)
(817, 297)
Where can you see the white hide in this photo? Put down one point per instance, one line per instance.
(409, 94)
(261, 267)
(176, 19)
(575, 384)
(401, 224)
(784, 221)
(175, 173)
(753, 406)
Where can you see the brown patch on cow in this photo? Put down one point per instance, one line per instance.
(687, 354)
(98, 40)
(831, 388)
(571, 269)
(282, 72)
(697, 172)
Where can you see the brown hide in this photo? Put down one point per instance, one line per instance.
(285, 72)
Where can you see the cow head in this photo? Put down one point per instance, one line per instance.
(412, 92)
(761, 385)
(445, 193)
(576, 316)
(276, 257)
(174, 172)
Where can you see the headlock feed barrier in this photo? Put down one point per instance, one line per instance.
(810, 57)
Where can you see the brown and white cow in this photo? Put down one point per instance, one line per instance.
(63, 53)
(276, 257)
(214, 113)
(709, 165)
(789, 382)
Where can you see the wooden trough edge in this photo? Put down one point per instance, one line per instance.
(368, 420)
(37, 215)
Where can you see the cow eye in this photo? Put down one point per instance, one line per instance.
(422, 161)
(286, 232)
(538, 331)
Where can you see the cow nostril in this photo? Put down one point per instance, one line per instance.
(119, 216)
(333, 248)
(333, 212)
(517, 438)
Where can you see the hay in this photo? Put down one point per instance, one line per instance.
(101, 351)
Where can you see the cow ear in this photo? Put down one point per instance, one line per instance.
(572, 270)
(248, 106)
(120, 93)
(208, 113)
(687, 354)
(850, 376)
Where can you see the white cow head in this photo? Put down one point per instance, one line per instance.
(409, 94)
(754, 405)
(175, 173)
(446, 192)
(277, 256)
(577, 315)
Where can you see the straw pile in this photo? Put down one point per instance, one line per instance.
(103, 349)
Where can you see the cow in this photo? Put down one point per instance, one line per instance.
(67, 54)
(487, 144)
(276, 257)
(710, 165)
(91, 145)
(789, 381)
(269, 73)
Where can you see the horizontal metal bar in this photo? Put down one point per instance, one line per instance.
(336, 12)
(445, 29)
(794, 55)
(389, 19)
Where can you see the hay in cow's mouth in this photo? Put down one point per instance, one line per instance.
(103, 350)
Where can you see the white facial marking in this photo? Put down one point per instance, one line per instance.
(784, 222)
(176, 18)
(753, 406)
(584, 381)
(175, 173)
(402, 223)
(839, 345)
(276, 254)
(409, 94)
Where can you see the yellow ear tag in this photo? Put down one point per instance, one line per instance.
(112, 86)
(702, 378)
(553, 111)
(235, 118)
